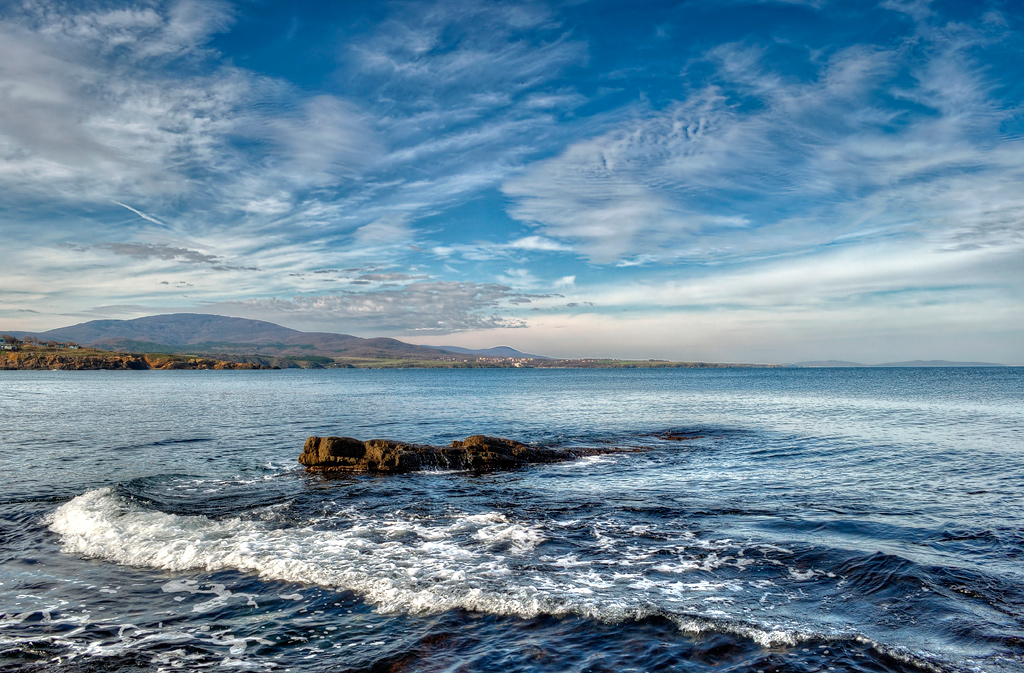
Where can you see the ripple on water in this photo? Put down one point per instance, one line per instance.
(792, 521)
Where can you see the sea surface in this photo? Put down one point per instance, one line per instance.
(789, 520)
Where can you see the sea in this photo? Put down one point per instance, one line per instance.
(863, 519)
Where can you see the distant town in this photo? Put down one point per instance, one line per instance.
(9, 342)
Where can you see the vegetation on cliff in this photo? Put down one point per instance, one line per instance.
(29, 357)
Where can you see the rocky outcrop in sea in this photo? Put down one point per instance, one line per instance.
(478, 452)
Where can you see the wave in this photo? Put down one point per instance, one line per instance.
(481, 562)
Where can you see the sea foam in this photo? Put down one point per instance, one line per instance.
(466, 561)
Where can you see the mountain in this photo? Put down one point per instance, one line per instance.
(202, 333)
(176, 329)
(496, 352)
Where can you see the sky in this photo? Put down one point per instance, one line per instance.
(745, 181)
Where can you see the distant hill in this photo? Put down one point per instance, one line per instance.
(241, 339)
(175, 329)
(938, 363)
(907, 363)
(202, 333)
(496, 352)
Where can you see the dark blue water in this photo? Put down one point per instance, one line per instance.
(811, 520)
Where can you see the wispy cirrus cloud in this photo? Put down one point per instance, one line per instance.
(160, 251)
(169, 253)
(132, 106)
(81, 121)
(355, 164)
(880, 141)
(417, 307)
(170, 31)
(468, 88)
(483, 251)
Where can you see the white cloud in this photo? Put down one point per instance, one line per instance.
(277, 204)
(434, 306)
(484, 251)
(461, 87)
(174, 30)
(189, 23)
(559, 99)
(838, 278)
(77, 125)
(803, 163)
(538, 243)
(885, 303)
(323, 143)
(385, 231)
(440, 50)
(518, 278)
(172, 166)
(130, 105)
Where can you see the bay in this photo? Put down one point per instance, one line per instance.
(859, 519)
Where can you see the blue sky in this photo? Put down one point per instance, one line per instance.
(738, 181)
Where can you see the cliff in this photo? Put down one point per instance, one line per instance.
(39, 358)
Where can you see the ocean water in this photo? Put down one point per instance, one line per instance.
(809, 520)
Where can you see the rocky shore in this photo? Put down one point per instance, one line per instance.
(65, 360)
(479, 452)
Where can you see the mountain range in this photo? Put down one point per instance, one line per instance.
(198, 333)
(255, 341)
(496, 352)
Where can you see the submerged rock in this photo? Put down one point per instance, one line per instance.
(677, 437)
(479, 452)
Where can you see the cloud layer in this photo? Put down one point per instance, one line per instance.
(561, 170)
(901, 141)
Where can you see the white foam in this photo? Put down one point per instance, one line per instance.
(410, 564)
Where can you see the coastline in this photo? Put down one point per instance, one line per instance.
(89, 360)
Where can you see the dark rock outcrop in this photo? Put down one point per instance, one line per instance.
(479, 452)
(677, 437)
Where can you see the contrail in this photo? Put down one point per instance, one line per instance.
(141, 214)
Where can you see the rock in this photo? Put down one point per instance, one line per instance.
(677, 437)
(479, 452)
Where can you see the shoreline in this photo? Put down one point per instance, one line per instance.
(87, 359)
(93, 360)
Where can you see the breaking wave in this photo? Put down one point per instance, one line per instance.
(481, 562)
